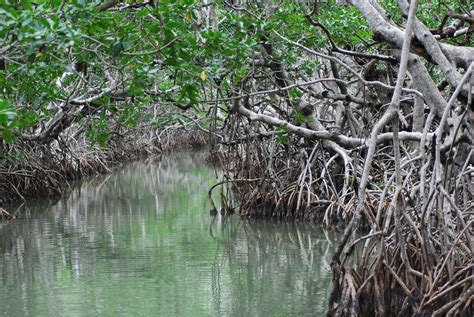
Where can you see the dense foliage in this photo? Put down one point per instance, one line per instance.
(104, 54)
(356, 112)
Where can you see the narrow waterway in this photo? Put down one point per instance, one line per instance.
(141, 242)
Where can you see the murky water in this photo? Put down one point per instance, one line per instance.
(140, 242)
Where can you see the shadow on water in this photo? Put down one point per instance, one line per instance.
(140, 242)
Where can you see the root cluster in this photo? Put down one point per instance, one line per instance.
(33, 169)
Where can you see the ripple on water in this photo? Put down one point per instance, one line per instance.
(140, 242)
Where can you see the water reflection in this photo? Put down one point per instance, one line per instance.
(276, 268)
(141, 242)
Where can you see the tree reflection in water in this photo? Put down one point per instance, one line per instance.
(140, 241)
(267, 258)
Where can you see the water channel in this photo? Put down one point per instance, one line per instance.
(141, 242)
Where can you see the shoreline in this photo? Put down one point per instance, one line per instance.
(51, 175)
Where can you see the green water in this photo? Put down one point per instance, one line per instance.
(141, 242)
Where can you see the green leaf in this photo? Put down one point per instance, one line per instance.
(103, 138)
(282, 134)
(7, 135)
(26, 4)
(117, 48)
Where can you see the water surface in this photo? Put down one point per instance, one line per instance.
(141, 242)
